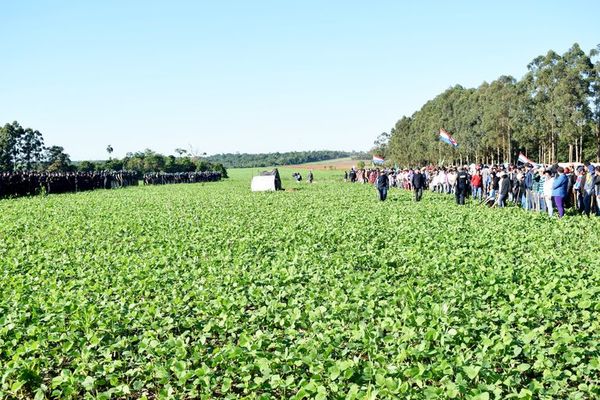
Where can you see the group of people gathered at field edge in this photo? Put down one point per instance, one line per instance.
(533, 188)
(30, 183)
(25, 183)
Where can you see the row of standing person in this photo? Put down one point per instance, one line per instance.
(537, 189)
(384, 179)
(23, 183)
(165, 178)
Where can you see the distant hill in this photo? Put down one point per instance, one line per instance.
(245, 160)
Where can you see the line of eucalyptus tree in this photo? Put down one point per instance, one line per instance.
(552, 114)
(20, 148)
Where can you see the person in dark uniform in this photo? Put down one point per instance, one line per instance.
(569, 200)
(352, 175)
(382, 183)
(418, 184)
(504, 189)
(462, 185)
(310, 176)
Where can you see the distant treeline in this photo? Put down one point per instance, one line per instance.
(552, 114)
(245, 160)
(22, 149)
(149, 161)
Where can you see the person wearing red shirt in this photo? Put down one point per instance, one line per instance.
(476, 185)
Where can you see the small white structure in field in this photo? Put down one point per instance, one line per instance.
(263, 183)
(266, 181)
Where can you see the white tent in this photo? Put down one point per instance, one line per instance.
(263, 183)
(266, 181)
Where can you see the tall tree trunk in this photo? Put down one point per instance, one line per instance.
(509, 146)
(504, 147)
(545, 153)
(552, 143)
(598, 142)
(570, 153)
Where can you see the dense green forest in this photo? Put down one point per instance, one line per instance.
(552, 114)
(22, 149)
(245, 160)
(151, 161)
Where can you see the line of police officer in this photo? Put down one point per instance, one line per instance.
(164, 178)
(22, 183)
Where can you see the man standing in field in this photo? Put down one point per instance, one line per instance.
(485, 180)
(418, 183)
(382, 183)
(310, 176)
(476, 185)
(462, 185)
(559, 191)
(504, 189)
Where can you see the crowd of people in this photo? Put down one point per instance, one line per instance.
(165, 178)
(533, 188)
(20, 183)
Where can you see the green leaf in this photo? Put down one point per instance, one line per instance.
(334, 372)
(244, 341)
(226, 385)
(523, 367)
(39, 395)
(452, 390)
(179, 366)
(584, 304)
(472, 371)
(16, 386)
(88, 383)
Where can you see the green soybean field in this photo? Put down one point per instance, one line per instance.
(321, 291)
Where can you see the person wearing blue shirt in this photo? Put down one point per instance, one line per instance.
(559, 191)
(382, 183)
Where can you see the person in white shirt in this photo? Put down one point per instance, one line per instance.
(451, 177)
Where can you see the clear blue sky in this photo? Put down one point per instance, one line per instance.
(258, 76)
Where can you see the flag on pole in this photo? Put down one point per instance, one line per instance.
(378, 160)
(522, 158)
(447, 138)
